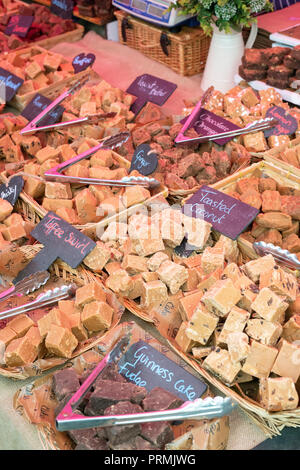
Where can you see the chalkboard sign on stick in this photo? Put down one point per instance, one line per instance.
(10, 191)
(144, 160)
(19, 25)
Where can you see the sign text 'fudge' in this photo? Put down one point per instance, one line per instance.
(37, 105)
(60, 240)
(287, 124)
(19, 25)
(150, 88)
(146, 367)
(227, 215)
(10, 191)
(207, 123)
(144, 160)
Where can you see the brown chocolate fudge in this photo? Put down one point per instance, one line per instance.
(253, 59)
(272, 52)
(65, 382)
(94, 443)
(138, 443)
(295, 52)
(280, 72)
(158, 433)
(252, 74)
(119, 434)
(160, 399)
(290, 62)
(277, 83)
(109, 393)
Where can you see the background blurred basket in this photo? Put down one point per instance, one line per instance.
(184, 52)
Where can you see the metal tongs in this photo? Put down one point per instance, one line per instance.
(45, 299)
(32, 126)
(26, 286)
(283, 257)
(68, 419)
(256, 126)
(55, 174)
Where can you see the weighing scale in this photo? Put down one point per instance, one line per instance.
(154, 11)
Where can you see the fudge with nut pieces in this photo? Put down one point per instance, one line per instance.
(278, 394)
(260, 360)
(220, 364)
(160, 399)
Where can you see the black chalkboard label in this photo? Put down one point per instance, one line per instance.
(10, 83)
(150, 88)
(227, 215)
(62, 8)
(287, 124)
(144, 160)
(146, 367)
(19, 25)
(10, 191)
(37, 105)
(60, 240)
(83, 61)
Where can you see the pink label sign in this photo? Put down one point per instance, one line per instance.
(19, 25)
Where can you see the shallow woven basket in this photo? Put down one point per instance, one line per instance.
(184, 52)
(81, 277)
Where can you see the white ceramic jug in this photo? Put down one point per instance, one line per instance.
(224, 57)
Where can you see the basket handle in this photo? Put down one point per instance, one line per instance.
(125, 25)
(164, 43)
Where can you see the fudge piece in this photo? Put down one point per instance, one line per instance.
(260, 360)
(19, 352)
(110, 373)
(77, 327)
(291, 329)
(173, 275)
(134, 264)
(65, 382)
(154, 262)
(287, 362)
(109, 393)
(120, 281)
(158, 433)
(184, 342)
(255, 142)
(280, 282)
(277, 220)
(120, 434)
(264, 331)
(253, 58)
(236, 321)
(137, 443)
(97, 316)
(5, 209)
(219, 363)
(93, 443)
(277, 82)
(201, 325)
(60, 341)
(160, 399)
(20, 325)
(280, 72)
(251, 197)
(212, 259)
(89, 293)
(238, 346)
(258, 266)
(197, 231)
(153, 294)
(7, 335)
(222, 297)
(278, 394)
(252, 74)
(269, 305)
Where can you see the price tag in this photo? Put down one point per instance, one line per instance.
(37, 105)
(227, 215)
(150, 88)
(62, 8)
(146, 367)
(19, 25)
(144, 160)
(60, 240)
(287, 124)
(10, 191)
(9, 84)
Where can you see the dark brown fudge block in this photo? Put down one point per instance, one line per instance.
(272, 52)
(138, 443)
(95, 443)
(119, 434)
(65, 382)
(280, 72)
(160, 399)
(82, 436)
(277, 83)
(253, 59)
(290, 62)
(252, 74)
(295, 52)
(108, 393)
(110, 373)
(159, 434)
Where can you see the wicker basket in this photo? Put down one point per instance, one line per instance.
(274, 156)
(81, 277)
(184, 52)
(33, 210)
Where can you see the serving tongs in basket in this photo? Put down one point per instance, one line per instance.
(55, 174)
(259, 125)
(33, 126)
(67, 419)
(45, 299)
(283, 257)
(29, 284)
